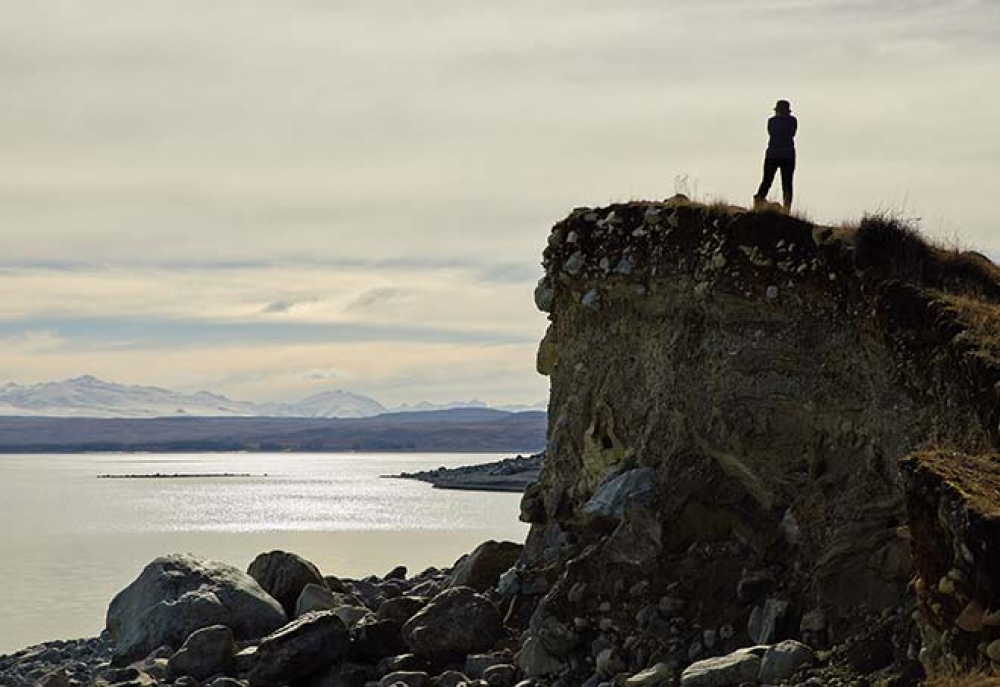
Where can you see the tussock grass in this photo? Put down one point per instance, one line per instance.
(975, 679)
(896, 248)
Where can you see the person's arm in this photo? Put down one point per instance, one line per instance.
(795, 126)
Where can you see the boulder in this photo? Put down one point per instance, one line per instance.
(226, 682)
(481, 569)
(450, 678)
(377, 639)
(723, 671)
(352, 615)
(302, 648)
(400, 609)
(456, 622)
(206, 652)
(636, 487)
(477, 664)
(654, 676)
(178, 594)
(406, 678)
(784, 659)
(343, 675)
(284, 575)
(397, 573)
(315, 597)
(503, 675)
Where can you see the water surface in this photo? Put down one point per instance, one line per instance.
(70, 541)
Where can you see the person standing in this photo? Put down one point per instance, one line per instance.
(781, 129)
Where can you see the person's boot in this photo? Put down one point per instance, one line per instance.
(788, 202)
(758, 202)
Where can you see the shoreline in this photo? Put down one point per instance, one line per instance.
(508, 475)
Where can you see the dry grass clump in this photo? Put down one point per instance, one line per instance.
(981, 319)
(976, 679)
(896, 248)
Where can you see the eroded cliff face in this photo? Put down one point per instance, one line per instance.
(730, 395)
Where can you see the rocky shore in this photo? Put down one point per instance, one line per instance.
(510, 474)
(190, 622)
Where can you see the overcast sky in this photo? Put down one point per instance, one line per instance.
(270, 199)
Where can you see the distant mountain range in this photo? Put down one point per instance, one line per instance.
(88, 396)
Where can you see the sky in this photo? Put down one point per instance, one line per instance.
(272, 199)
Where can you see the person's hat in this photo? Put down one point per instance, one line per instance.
(782, 106)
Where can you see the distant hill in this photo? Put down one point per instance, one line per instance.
(88, 396)
(458, 430)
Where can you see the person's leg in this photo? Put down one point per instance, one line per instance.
(770, 168)
(787, 182)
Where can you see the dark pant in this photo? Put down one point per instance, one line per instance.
(771, 166)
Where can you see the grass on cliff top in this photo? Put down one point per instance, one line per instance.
(896, 248)
(968, 680)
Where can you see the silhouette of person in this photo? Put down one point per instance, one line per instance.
(780, 154)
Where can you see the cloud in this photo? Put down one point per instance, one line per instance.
(373, 298)
(33, 341)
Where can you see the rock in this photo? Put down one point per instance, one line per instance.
(284, 575)
(352, 615)
(784, 659)
(755, 585)
(400, 609)
(771, 621)
(546, 647)
(456, 622)
(304, 647)
(503, 675)
(407, 678)
(206, 652)
(482, 568)
(178, 594)
(971, 617)
(450, 678)
(655, 676)
(315, 597)
(532, 504)
(397, 573)
(574, 263)
(544, 295)
(56, 678)
(477, 664)
(343, 675)
(226, 682)
(633, 487)
(722, 671)
(370, 595)
(591, 299)
(993, 651)
(377, 639)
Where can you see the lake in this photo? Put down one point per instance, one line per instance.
(70, 540)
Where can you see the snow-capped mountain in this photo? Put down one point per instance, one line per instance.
(88, 396)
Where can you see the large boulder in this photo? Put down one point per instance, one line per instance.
(456, 622)
(482, 568)
(284, 575)
(306, 646)
(206, 652)
(178, 594)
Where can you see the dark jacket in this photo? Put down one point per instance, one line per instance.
(781, 129)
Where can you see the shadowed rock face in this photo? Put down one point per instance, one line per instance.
(768, 383)
(954, 505)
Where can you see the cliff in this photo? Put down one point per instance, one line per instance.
(731, 393)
